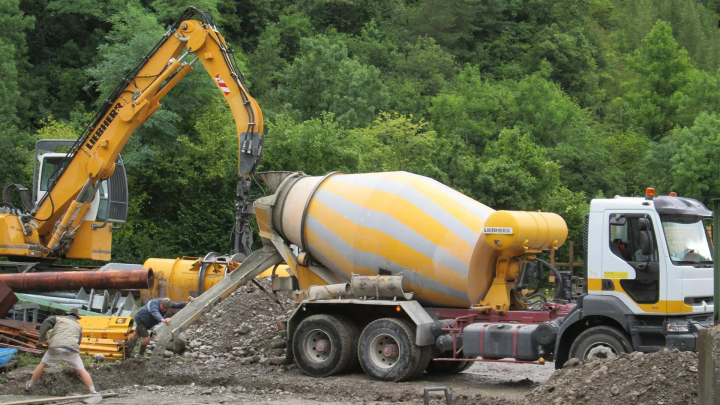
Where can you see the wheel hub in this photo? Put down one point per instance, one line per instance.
(317, 346)
(322, 346)
(390, 350)
(384, 351)
(600, 351)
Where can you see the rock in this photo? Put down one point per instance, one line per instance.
(179, 345)
(571, 363)
(244, 329)
(614, 390)
(167, 353)
(247, 360)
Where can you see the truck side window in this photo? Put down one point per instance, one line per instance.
(625, 243)
(625, 240)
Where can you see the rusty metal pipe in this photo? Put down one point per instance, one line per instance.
(66, 280)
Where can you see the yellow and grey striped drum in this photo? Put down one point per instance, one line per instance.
(394, 223)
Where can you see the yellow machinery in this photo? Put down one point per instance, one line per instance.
(105, 335)
(399, 223)
(191, 276)
(517, 236)
(394, 223)
(58, 225)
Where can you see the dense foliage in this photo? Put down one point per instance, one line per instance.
(520, 104)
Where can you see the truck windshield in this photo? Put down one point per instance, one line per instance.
(687, 242)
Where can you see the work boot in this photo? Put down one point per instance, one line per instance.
(29, 385)
(130, 348)
(142, 349)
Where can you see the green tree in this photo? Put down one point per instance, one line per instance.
(395, 142)
(696, 159)
(324, 79)
(662, 70)
(13, 57)
(316, 146)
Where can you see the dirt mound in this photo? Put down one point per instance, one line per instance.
(240, 328)
(666, 377)
(64, 381)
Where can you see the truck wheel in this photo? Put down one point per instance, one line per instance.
(387, 351)
(601, 342)
(425, 357)
(324, 345)
(448, 367)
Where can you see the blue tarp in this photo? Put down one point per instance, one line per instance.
(6, 354)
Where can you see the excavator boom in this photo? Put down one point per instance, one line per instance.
(56, 223)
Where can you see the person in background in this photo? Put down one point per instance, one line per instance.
(147, 317)
(64, 344)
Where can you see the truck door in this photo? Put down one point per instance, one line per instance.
(631, 268)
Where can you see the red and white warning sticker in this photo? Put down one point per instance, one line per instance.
(225, 89)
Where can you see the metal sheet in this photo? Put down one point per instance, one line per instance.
(7, 299)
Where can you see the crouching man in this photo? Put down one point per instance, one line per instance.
(64, 344)
(147, 317)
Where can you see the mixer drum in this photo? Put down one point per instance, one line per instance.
(392, 223)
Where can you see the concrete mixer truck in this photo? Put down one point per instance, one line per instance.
(404, 275)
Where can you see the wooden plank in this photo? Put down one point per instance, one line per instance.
(51, 399)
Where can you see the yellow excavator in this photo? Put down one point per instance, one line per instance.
(77, 193)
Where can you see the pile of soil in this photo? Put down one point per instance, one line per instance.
(240, 328)
(666, 377)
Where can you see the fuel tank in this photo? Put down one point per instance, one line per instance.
(390, 223)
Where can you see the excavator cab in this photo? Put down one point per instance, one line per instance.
(111, 199)
(109, 206)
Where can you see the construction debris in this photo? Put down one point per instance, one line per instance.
(36, 307)
(241, 328)
(44, 308)
(60, 400)
(103, 335)
(668, 377)
(7, 299)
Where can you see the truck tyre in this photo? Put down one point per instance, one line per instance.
(387, 351)
(324, 345)
(425, 357)
(448, 367)
(600, 342)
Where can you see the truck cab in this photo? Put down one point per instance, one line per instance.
(649, 278)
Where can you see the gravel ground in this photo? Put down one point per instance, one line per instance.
(186, 381)
(228, 354)
(666, 377)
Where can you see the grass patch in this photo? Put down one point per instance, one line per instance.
(27, 359)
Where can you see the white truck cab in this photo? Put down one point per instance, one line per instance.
(648, 278)
(654, 255)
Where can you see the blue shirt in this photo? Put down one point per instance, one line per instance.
(152, 313)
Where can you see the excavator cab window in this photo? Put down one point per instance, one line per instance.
(102, 211)
(49, 164)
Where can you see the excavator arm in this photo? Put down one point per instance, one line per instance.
(51, 227)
